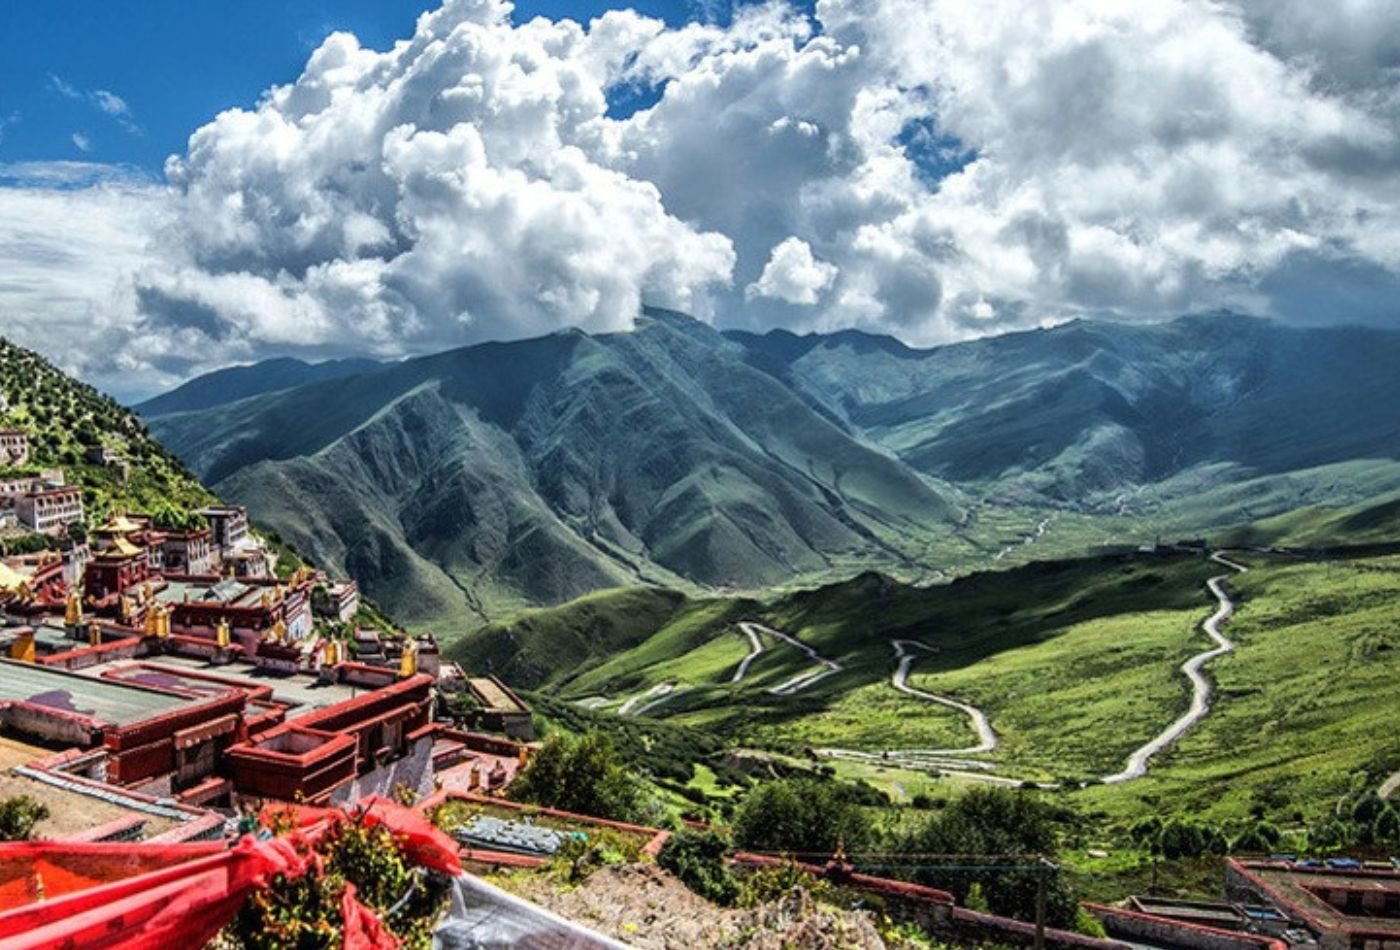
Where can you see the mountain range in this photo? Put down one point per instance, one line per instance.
(461, 486)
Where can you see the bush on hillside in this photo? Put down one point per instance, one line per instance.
(583, 775)
(698, 859)
(1013, 829)
(801, 816)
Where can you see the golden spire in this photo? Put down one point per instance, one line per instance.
(408, 663)
(279, 630)
(94, 634)
(73, 610)
(152, 624)
(221, 632)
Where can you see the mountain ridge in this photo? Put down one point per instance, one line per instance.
(233, 383)
(489, 478)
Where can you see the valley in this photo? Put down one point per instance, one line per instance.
(1109, 680)
(465, 487)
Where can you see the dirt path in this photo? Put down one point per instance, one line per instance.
(802, 680)
(660, 689)
(986, 736)
(1389, 786)
(756, 642)
(1201, 687)
(946, 761)
(953, 761)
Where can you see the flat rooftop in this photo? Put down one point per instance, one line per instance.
(230, 591)
(114, 703)
(493, 696)
(72, 812)
(15, 752)
(300, 691)
(1304, 889)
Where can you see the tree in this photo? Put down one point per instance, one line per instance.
(1013, 828)
(1386, 828)
(584, 775)
(18, 816)
(1182, 839)
(801, 815)
(1259, 838)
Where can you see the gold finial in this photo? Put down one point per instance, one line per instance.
(152, 624)
(73, 609)
(165, 613)
(279, 630)
(267, 599)
(94, 634)
(408, 663)
(221, 632)
(124, 608)
(330, 653)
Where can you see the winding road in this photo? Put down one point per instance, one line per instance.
(1201, 687)
(946, 761)
(796, 684)
(662, 690)
(756, 642)
(986, 736)
(952, 761)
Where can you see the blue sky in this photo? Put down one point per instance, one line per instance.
(175, 64)
(934, 170)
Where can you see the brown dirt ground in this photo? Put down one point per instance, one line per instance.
(645, 907)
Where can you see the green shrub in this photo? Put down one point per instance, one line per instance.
(584, 775)
(18, 816)
(801, 816)
(698, 859)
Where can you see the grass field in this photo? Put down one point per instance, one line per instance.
(1075, 662)
(1306, 702)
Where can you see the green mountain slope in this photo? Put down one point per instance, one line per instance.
(64, 418)
(239, 382)
(1076, 663)
(458, 486)
(1082, 411)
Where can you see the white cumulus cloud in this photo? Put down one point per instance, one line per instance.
(793, 274)
(926, 168)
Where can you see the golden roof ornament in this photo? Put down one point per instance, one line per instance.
(73, 609)
(222, 633)
(408, 663)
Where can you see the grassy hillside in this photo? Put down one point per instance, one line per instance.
(460, 487)
(1075, 663)
(1092, 407)
(64, 418)
(1322, 526)
(464, 487)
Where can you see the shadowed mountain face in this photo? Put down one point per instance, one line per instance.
(1091, 407)
(459, 486)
